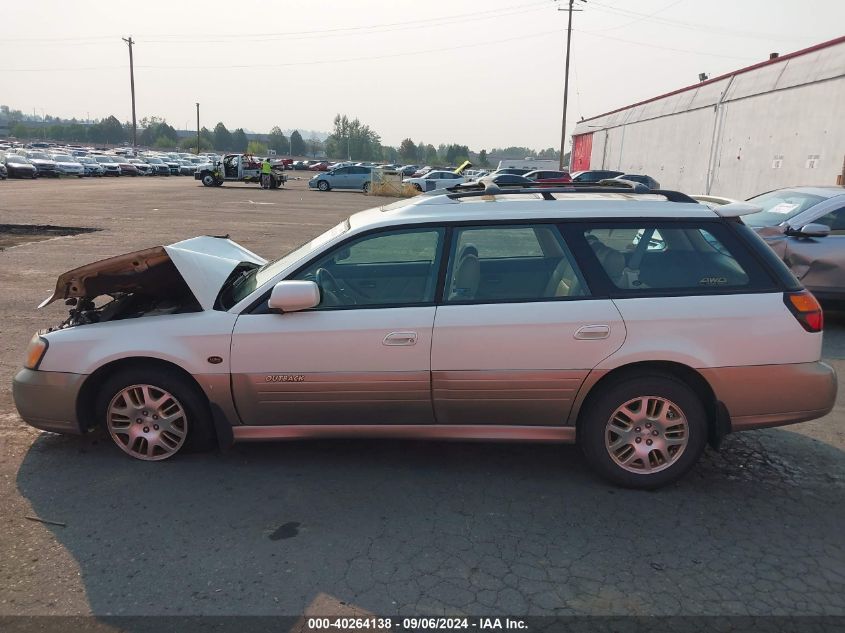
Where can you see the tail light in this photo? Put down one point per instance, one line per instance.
(806, 309)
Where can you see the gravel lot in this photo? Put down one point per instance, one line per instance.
(377, 526)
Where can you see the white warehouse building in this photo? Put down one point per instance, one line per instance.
(774, 124)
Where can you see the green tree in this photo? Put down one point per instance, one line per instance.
(189, 144)
(108, 130)
(430, 157)
(314, 147)
(156, 128)
(483, 161)
(164, 142)
(353, 139)
(278, 141)
(390, 154)
(257, 148)
(408, 150)
(297, 145)
(239, 140)
(222, 138)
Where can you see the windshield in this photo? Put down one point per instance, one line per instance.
(38, 155)
(15, 158)
(103, 159)
(257, 277)
(63, 158)
(779, 206)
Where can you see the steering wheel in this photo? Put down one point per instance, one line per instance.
(329, 285)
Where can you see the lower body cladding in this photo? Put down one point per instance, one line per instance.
(530, 406)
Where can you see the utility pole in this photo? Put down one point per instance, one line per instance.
(571, 9)
(198, 128)
(130, 42)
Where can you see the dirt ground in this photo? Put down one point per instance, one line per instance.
(379, 526)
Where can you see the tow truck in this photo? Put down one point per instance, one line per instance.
(238, 168)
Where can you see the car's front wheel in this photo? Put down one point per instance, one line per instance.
(208, 180)
(366, 188)
(153, 414)
(643, 431)
(323, 185)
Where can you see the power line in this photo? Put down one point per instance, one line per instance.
(643, 16)
(222, 37)
(322, 35)
(290, 64)
(665, 48)
(696, 26)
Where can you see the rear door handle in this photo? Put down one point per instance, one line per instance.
(592, 332)
(400, 338)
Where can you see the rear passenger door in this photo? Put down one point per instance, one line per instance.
(689, 291)
(518, 329)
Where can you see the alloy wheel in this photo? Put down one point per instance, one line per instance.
(646, 435)
(147, 422)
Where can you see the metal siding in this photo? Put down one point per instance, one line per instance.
(582, 147)
(746, 121)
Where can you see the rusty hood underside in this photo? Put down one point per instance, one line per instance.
(203, 263)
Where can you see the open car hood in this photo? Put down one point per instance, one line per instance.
(204, 263)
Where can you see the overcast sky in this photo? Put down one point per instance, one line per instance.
(486, 74)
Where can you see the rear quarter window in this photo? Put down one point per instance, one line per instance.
(640, 258)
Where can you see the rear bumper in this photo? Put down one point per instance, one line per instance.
(762, 396)
(47, 399)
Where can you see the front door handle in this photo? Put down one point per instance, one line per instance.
(592, 332)
(400, 338)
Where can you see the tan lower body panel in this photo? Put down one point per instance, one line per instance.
(530, 397)
(773, 395)
(326, 398)
(563, 434)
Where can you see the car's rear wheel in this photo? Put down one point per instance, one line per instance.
(323, 185)
(366, 187)
(643, 431)
(152, 415)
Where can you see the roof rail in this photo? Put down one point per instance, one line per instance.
(486, 187)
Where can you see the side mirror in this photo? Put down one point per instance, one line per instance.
(293, 296)
(810, 230)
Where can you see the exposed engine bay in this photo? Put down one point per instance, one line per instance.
(188, 276)
(160, 289)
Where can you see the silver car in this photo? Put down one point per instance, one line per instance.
(804, 225)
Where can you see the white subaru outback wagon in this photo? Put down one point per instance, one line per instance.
(639, 325)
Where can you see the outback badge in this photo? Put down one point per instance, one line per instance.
(284, 378)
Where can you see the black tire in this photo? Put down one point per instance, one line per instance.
(199, 436)
(417, 187)
(323, 185)
(601, 405)
(366, 188)
(208, 179)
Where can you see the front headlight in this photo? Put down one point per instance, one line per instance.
(35, 351)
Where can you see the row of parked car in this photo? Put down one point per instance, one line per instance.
(34, 162)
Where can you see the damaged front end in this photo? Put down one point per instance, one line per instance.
(183, 277)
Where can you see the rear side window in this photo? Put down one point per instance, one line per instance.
(489, 264)
(643, 258)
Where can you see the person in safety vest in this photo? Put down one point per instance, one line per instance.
(266, 170)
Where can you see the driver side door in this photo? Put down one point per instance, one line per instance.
(363, 355)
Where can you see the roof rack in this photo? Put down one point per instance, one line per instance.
(486, 187)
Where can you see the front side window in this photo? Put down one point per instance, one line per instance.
(393, 268)
(835, 220)
(638, 258)
(511, 263)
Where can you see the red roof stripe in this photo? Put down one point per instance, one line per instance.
(776, 60)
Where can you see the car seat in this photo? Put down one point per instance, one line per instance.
(467, 275)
